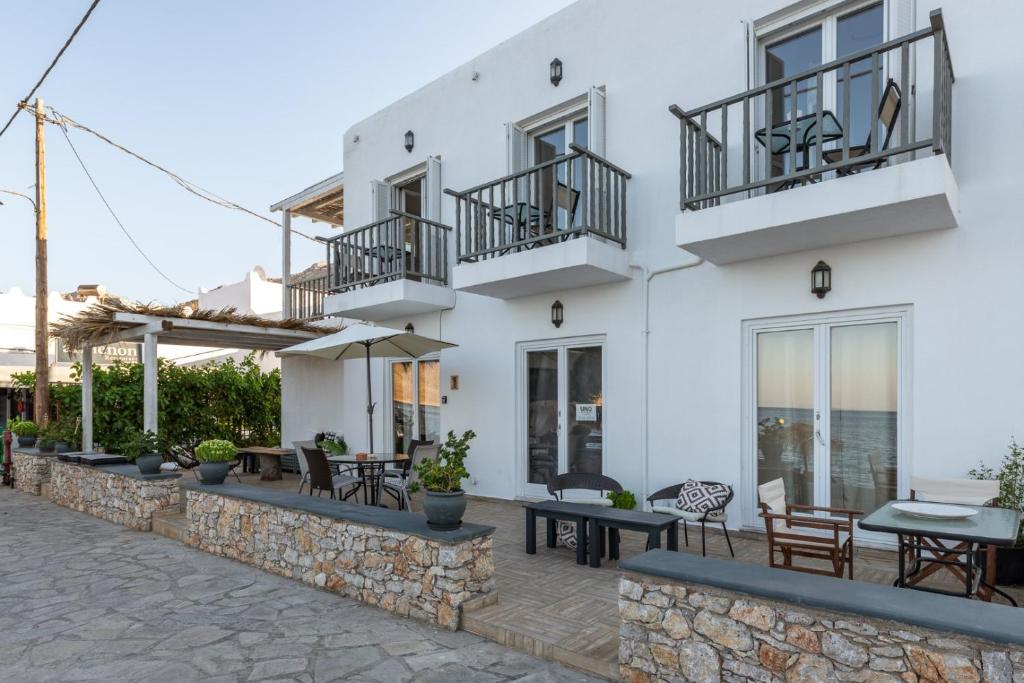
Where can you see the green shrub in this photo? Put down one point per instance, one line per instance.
(445, 474)
(216, 450)
(334, 444)
(140, 443)
(624, 501)
(1011, 481)
(25, 428)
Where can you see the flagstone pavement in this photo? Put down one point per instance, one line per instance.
(82, 599)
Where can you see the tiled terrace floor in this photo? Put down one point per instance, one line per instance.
(551, 607)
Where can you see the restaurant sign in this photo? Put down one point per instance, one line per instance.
(126, 352)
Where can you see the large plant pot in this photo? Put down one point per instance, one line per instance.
(149, 463)
(46, 446)
(1010, 566)
(213, 472)
(26, 441)
(62, 447)
(444, 510)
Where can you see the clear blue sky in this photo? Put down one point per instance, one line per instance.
(246, 98)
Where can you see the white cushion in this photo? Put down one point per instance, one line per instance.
(603, 502)
(696, 496)
(715, 517)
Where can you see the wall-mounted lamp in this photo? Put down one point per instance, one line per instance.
(557, 313)
(409, 329)
(409, 140)
(556, 71)
(821, 279)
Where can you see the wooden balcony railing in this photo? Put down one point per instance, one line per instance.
(716, 160)
(571, 195)
(402, 246)
(306, 296)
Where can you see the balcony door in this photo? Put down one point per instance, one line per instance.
(561, 411)
(807, 45)
(415, 402)
(827, 409)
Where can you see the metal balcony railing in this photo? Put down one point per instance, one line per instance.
(306, 296)
(402, 246)
(575, 194)
(716, 160)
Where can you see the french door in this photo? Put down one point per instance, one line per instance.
(415, 402)
(561, 411)
(828, 406)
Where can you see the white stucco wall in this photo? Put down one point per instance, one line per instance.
(963, 286)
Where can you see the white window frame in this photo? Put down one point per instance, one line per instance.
(902, 316)
(566, 122)
(389, 434)
(525, 491)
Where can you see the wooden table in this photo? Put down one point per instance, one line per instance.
(922, 550)
(270, 460)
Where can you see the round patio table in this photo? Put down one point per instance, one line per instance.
(371, 469)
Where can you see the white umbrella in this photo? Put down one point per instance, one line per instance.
(367, 341)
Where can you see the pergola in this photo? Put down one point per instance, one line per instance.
(104, 324)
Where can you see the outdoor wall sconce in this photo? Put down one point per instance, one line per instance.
(556, 71)
(821, 279)
(557, 314)
(409, 140)
(409, 329)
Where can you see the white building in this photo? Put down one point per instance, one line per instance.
(692, 345)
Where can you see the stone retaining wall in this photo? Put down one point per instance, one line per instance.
(678, 631)
(31, 471)
(117, 494)
(401, 572)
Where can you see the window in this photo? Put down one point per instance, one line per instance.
(550, 143)
(415, 402)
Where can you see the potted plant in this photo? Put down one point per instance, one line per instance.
(445, 501)
(46, 439)
(1009, 561)
(143, 448)
(623, 501)
(26, 431)
(66, 436)
(215, 456)
(332, 443)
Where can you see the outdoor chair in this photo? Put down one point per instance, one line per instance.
(888, 113)
(322, 479)
(577, 482)
(715, 516)
(833, 542)
(300, 456)
(403, 471)
(980, 492)
(399, 488)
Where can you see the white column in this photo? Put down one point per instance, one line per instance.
(149, 404)
(286, 263)
(87, 399)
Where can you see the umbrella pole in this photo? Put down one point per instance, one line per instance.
(369, 395)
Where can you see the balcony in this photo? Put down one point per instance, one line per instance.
(392, 268)
(306, 293)
(745, 193)
(558, 225)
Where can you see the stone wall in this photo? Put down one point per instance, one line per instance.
(401, 572)
(117, 494)
(31, 471)
(673, 631)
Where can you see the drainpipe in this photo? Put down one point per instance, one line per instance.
(645, 295)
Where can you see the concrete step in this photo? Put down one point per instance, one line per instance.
(172, 524)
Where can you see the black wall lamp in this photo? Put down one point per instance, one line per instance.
(409, 328)
(557, 311)
(409, 140)
(556, 71)
(821, 279)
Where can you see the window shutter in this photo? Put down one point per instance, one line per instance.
(515, 148)
(595, 123)
(381, 193)
(432, 191)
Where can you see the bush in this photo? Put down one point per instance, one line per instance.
(445, 474)
(624, 501)
(25, 428)
(140, 443)
(1011, 481)
(216, 450)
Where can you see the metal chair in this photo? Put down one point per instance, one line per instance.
(399, 488)
(303, 463)
(888, 113)
(583, 481)
(716, 516)
(322, 479)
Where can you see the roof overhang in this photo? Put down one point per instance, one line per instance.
(188, 332)
(324, 201)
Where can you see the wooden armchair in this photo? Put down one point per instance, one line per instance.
(783, 522)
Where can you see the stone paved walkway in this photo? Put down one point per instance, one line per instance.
(82, 599)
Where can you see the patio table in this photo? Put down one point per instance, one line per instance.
(371, 469)
(916, 535)
(807, 135)
(270, 460)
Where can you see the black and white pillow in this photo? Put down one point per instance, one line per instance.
(698, 497)
(566, 534)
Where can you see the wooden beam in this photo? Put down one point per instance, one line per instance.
(136, 333)
(87, 399)
(149, 382)
(190, 324)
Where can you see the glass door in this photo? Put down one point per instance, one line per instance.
(827, 412)
(415, 402)
(564, 412)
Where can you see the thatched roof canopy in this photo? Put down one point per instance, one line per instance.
(115, 321)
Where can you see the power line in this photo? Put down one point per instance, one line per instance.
(63, 120)
(118, 220)
(67, 44)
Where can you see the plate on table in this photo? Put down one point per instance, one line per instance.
(935, 510)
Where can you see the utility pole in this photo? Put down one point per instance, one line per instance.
(41, 405)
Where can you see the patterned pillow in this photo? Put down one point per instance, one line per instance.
(701, 498)
(566, 534)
